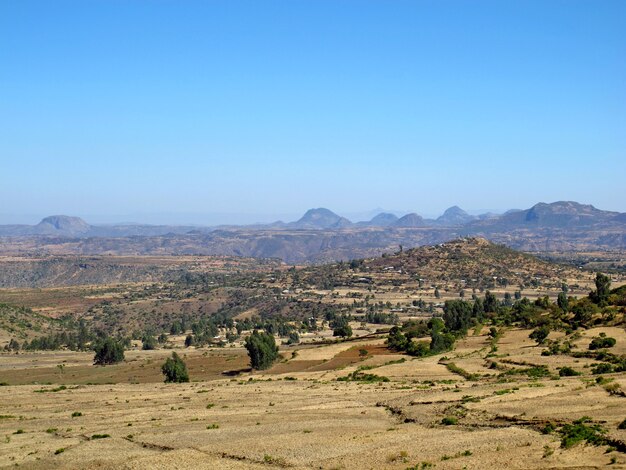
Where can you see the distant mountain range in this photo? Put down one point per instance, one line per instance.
(322, 235)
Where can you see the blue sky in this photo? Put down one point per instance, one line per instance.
(178, 111)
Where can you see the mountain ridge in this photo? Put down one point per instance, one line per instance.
(321, 235)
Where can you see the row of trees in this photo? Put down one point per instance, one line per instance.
(261, 347)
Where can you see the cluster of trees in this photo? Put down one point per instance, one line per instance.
(542, 315)
(381, 318)
(341, 326)
(440, 340)
(77, 339)
(110, 351)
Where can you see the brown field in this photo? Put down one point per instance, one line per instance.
(297, 415)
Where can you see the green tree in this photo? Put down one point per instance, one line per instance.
(148, 342)
(262, 350)
(583, 311)
(396, 340)
(458, 315)
(108, 351)
(345, 331)
(491, 303)
(603, 287)
(540, 334)
(563, 302)
(175, 370)
(439, 340)
(294, 338)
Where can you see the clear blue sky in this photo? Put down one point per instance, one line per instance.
(126, 108)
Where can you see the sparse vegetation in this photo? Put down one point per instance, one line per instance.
(216, 314)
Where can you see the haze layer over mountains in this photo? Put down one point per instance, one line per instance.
(321, 235)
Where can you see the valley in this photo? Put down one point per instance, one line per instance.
(358, 399)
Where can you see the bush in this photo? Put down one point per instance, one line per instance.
(602, 342)
(579, 431)
(108, 352)
(449, 421)
(357, 376)
(262, 350)
(602, 368)
(568, 372)
(175, 370)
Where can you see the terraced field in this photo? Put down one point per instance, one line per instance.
(298, 415)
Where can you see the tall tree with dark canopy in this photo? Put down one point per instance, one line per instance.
(603, 287)
(262, 350)
(108, 351)
(175, 370)
(563, 302)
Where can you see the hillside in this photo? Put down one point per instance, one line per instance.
(56, 271)
(476, 261)
(22, 322)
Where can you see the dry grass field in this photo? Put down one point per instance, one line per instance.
(298, 415)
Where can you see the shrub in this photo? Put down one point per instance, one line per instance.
(108, 352)
(602, 368)
(602, 342)
(568, 372)
(452, 367)
(449, 421)
(579, 431)
(175, 370)
(357, 376)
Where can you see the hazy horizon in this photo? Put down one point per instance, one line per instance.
(217, 218)
(258, 111)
